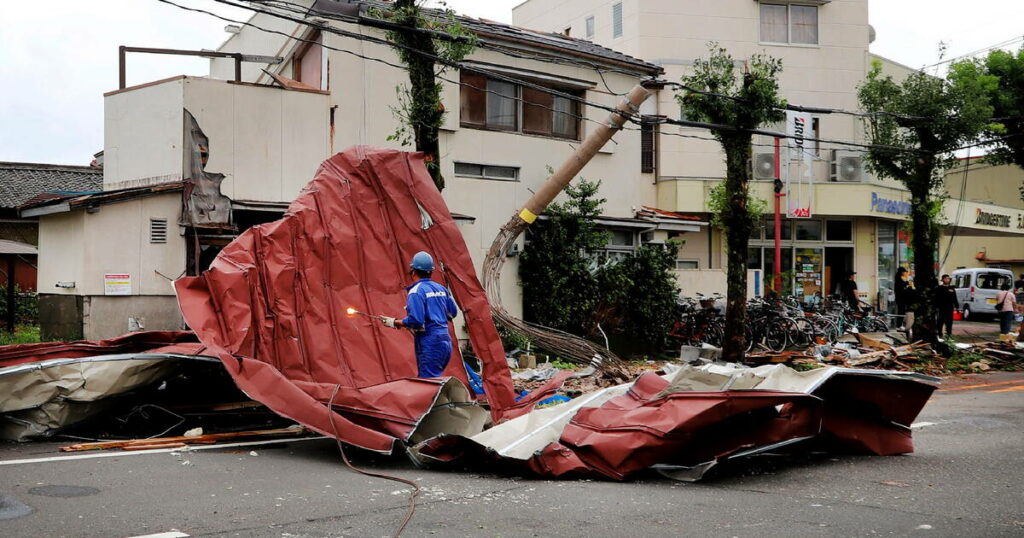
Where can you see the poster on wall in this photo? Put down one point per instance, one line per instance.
(117, 284)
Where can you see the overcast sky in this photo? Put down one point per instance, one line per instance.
(59, 56)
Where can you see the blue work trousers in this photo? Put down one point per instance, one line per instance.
(433, 349)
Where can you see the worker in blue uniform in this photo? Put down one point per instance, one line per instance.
(429, 308)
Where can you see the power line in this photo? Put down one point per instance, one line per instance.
(1002, 44)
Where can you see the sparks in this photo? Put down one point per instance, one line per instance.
(351, 311)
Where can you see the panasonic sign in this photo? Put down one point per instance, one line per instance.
(884, 205)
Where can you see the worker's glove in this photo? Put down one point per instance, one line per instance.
(389, 322)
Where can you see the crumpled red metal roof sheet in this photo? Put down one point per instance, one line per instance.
(649, 424)
(180, 342)
(272, 305)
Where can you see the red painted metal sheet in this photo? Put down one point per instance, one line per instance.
(181, 342)
(272, 305)
(644, 427)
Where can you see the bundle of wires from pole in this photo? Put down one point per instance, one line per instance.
(566, 346)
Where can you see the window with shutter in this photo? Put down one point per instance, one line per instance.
(537, 107)
(473, 100)
(617, 20)
(647, 141)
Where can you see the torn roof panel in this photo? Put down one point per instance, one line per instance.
(697, 418)
(272, 305)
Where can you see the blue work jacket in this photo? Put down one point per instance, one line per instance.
(428, 306)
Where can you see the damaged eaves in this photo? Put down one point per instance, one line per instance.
(71, 202)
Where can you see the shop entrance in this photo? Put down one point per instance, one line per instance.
(838, 264)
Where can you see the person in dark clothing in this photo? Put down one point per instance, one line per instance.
(1019, 283)
(944, 296)
(848, 290)
(900, 290)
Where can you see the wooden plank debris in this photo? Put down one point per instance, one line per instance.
(166, 442)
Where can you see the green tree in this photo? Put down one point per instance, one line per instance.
(557, 269)
(641, 293)
(569, 285)
(740, 102)
(422, 35)
(915, 126)
(1001, 76)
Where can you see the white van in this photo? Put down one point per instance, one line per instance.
(976, 289)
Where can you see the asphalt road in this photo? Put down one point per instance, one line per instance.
(964, 480)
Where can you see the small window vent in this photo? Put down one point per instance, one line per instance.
(157, 230)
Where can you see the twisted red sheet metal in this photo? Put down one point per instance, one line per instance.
(180, 342)
(272, 305)
(644, 427)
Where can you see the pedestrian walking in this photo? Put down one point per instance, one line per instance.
(1006, 306)
(848, 290)
(944, 297)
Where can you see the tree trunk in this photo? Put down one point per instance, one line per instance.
(425, 109)
(923, 241)
(737, 230)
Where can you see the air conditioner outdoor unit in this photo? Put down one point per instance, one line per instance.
(764, 165)
(847, 166)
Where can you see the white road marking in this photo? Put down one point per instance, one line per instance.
(919, 425)
(122, 453)
(169, 534)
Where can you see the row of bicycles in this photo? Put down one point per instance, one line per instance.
(774, 325)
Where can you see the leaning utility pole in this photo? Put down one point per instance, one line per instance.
(566, 345)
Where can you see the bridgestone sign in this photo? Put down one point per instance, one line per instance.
(992, 219)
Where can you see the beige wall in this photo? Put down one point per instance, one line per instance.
(268, 142)
(142, 135)
(107, 317)
(61, 244)
(986, 183)
(82, 247)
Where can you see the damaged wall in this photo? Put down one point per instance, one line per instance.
(79, 247)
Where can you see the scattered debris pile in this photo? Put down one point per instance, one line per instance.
(891, 351)
(46, 387)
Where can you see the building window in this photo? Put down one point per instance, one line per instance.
(617, 19)
(590, 27)
(647, 147)
(502, 98)
(807, 230)
(687, 264)
(789, 24)
(157, 230)
(839, 230)
(486, 171)
(769, 229)
(504, 106)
